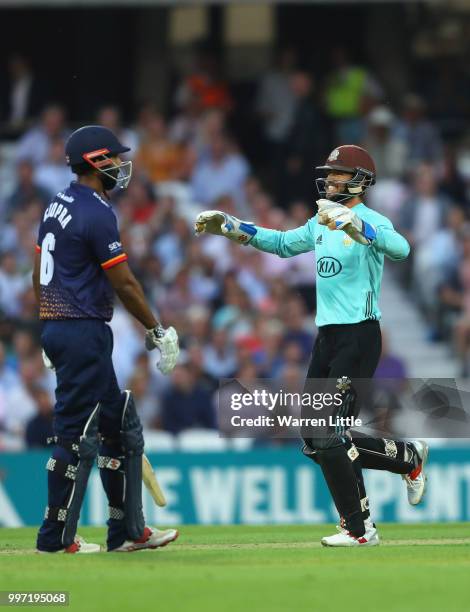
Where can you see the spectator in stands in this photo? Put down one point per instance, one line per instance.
(20, 235)
(24, 95)
(19, 396)
(450, 293)
(187, 404)
(306, 142)
(39, 427)
(139, 200)
(219, 355)
(8, 374)
(159, 158)
(12, 285)
(457, 294)
(222, 173)
(421, 136)
(453, 182)
(53, 175)
(170, 247)
(110, 117)
(435, 260)
(426, 209)
(185, 128)
(27, 188)
(387, 149)
(205, 83)
(295, 331)
(275, 104)
(213, 124)
(423, 215)
(349, 92)
(147, 402)
(36, 143)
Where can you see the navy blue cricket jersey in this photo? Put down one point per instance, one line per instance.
(78, 240)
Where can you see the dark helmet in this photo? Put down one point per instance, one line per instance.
(352, 159)
(95, 145)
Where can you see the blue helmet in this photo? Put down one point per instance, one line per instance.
(95, 145)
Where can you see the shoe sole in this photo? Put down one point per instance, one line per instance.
(424, 460)
(162, 545)
(374, 542)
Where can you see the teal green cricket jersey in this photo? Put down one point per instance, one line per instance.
(349, 274)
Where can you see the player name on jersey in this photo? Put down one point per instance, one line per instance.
(57, 210)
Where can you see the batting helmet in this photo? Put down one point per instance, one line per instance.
(95, 145)
(354, 160)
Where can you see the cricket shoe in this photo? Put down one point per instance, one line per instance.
(346, 539)
(152, 538)
(78, 546)
(416, 479)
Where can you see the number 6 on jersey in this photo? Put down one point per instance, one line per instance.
(47, 261)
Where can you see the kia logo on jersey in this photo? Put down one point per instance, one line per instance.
(328, 266)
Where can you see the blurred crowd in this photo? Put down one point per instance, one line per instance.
(237, 311)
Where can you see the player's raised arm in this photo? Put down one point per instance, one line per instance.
(285, 244)
(376, 232)
(391, 243)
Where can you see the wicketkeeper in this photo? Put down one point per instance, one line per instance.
(79, 264)
(350, 241)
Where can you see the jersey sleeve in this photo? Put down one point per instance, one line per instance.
(286, 244)
(105, 241)
(388, 241)
(37, 246)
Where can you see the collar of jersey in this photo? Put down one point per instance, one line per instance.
(89, 190)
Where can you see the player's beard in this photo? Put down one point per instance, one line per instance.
(109, 179)
(338, 195)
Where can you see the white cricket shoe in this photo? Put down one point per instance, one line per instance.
(152, 538)
(416, 479)
(78, 546)
(345, 539)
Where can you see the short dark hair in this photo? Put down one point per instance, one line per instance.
(82, 169)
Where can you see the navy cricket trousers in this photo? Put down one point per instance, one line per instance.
(81, 352)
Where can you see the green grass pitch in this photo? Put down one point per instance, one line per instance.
(268, 568)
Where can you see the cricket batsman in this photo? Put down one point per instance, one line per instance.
(79, 264)
(350, 241)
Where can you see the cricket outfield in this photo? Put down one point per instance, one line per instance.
(417, 567)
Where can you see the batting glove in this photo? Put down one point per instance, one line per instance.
(222, 224)
(166, 340)
(340, 217)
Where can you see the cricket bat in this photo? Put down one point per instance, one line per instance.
(150, 481)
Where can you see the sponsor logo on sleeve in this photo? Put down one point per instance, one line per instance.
(114, 246)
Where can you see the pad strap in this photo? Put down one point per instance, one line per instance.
(62, 468)
(56, 513)
(110, 463)
(116, 513)
(71, 445)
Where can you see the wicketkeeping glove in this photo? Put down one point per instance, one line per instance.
(166, 340)
(222, 224)
(340, 217)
